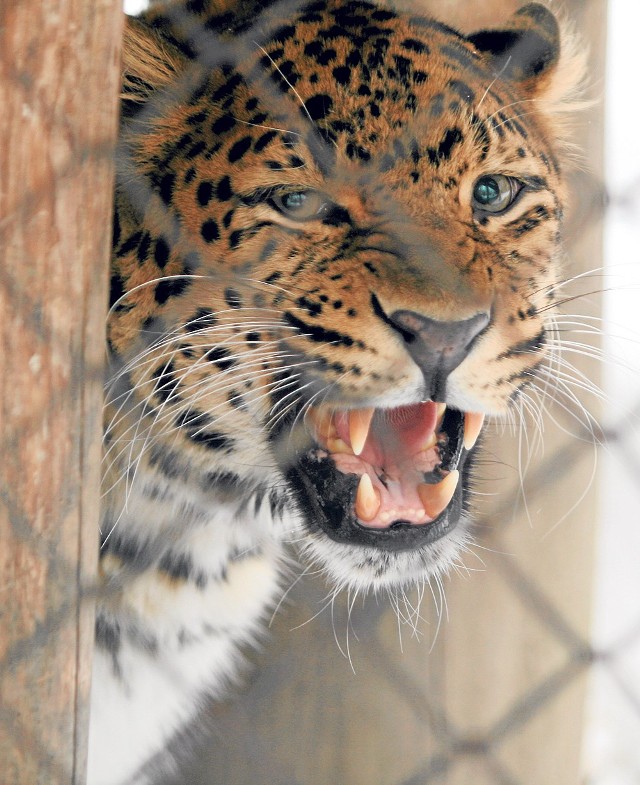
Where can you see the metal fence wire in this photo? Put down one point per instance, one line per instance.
(483, 683)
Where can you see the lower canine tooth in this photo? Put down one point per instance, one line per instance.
(472, 427)
(435, 498)
(367, 499)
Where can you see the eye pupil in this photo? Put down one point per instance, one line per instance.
(495, 193)
(305, 205)
(294, 200)
(487, 191)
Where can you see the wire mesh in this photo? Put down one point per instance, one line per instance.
(430, 745)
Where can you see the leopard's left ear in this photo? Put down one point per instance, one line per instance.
(546, 60)
(526, 50)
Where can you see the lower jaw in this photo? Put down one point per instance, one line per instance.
(326, 499)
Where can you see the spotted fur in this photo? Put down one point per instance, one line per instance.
(230, 316)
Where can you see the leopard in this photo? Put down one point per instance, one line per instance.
(337, 241)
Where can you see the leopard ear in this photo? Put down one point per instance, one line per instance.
(526, 50)
(548, 62)
(149, 62)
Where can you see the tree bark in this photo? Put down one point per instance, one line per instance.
(59, 74)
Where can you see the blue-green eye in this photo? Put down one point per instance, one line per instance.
(300, 205)
(295, 201)
(494, 193)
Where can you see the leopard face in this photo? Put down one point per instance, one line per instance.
(335, 249)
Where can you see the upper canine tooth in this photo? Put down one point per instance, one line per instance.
(435, 498)
(367, 499)
(359, 424)
(441, 408)
(472, 427)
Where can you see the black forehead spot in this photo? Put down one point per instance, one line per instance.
(286, 76)
(357, 151)
(318, 106)
(223, 124)
(342, 74)
(259, 118)
(204, 194)
(414, 45)
(196, 150)
(284, 33)
(238, 150)
(197, 118)
(167, 184)
(273, 54)
(403, 64)
(317, 51)
(335, 31)
(210, 231)
(264, 140)
(227, 88)
(311, 18)
(442, 152)
(143, 247)
(161, 252)
(170, 287)
(223, 191)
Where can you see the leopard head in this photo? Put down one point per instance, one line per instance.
(336, 243)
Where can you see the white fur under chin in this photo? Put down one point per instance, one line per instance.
(366, 569)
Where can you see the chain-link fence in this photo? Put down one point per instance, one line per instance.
(485, 682)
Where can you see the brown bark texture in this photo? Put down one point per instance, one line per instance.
(58, 93)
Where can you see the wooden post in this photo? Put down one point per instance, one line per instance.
(58, 87)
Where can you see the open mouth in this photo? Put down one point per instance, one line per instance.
(389, 478)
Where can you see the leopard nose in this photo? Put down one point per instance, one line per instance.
(437, 347)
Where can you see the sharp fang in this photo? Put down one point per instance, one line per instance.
(367, 499)
(472, 427)
(359, 424)
(441, 408)
(435, 498)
